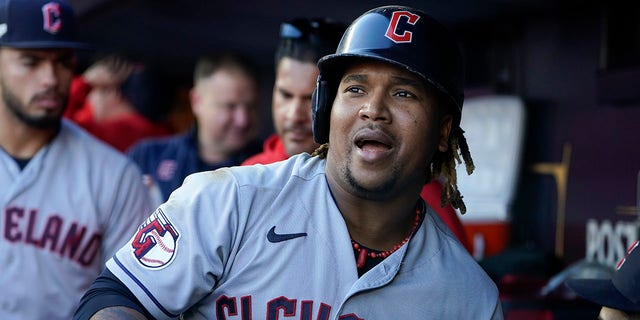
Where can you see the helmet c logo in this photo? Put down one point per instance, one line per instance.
(51, 13)
(393, 32)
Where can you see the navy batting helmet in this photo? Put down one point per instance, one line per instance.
(403, 36)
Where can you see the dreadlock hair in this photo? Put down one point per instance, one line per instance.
(321, 151)
(443, 163)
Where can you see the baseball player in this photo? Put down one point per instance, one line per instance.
(302, 43)
(66, 200)
(341, 234)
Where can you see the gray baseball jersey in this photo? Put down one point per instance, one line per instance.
(267, 242)
(63, 216)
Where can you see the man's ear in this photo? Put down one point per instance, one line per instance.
(445, 130)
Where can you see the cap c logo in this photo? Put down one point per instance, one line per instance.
(392, 31)
(51, 17)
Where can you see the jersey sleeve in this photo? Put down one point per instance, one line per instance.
(132, 204)
(177, 254)
(106, 291)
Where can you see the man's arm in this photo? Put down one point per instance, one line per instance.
(120, 313)
(109, 298)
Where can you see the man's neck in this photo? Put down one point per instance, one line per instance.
(23, 141)
(377, 224)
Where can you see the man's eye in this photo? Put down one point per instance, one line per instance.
(285, 95)
(28, 62)
(404, 94)
(354, 90)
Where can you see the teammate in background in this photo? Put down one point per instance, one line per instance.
(341, 234)
(67, 200)
(107, 100)
(224, 101)
(618, 296)
(302, 43)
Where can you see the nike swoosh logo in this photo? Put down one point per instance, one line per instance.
(274, 237)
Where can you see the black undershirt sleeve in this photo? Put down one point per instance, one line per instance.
(107, 291)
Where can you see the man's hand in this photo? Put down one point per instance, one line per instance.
(110, 71)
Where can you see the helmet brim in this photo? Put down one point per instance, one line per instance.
(336, 64)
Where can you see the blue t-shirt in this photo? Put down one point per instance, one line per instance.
(171, 159)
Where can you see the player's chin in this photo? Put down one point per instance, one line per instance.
(48, 121)
(369, 185)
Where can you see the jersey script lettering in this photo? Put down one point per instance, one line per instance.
(72, 241)
(280, 306)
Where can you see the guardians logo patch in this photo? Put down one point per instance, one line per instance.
(156, 241)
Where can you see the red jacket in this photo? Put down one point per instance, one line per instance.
(273, 150)
(431, 194)
(121, 133)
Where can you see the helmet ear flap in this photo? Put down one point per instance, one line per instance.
(320, 112)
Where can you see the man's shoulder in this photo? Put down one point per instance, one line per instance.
(75, 141)
(81, 151)
(302, 166)
(297, 177)
(264, 157)
(453, 256)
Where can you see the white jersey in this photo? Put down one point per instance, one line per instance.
(268, 242)
(63, 216)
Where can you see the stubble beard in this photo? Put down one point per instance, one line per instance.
(381, 192)
(46, 122)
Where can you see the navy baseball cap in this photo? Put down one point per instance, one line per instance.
(621, 292)
(38, 24)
